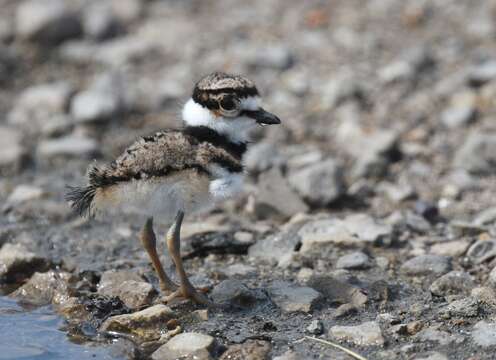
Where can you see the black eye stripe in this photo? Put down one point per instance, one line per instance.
(228, 103)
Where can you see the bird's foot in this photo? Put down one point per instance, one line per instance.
(189, 292)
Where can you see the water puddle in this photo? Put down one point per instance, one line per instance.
(34, 334)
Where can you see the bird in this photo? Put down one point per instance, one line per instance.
(174, 172)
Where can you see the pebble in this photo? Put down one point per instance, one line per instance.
(249, 350)
(466, 307)
(190, 344)
(274, 195)
(100, 22)
(262, 156)
(427, 265)
(477, 154)
(292, 298)
(484, 333)
(94, 105)
(485, 217)
(47, 21)
(395, 72)
(235, 293)
(442, 337)
(238, 270)
(337, 290)
(482, 251)
(18, 263)
(340, 89)
(366, 334)
(453, 248)
(13, 154)
(453, 283)
(277, 56)
(23, 193)
(355, 229)
(320, 184)
(70, 146)
(431, 355)
(134, 294)
(146, 325)
(492, 278)
(354, 261)
(275, 248)
(484, 294)
(52, 287)
(458, 116)
(315, 327)
(482, 73)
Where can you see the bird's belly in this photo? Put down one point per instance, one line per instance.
(160, 197)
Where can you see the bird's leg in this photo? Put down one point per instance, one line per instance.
(186, 289)
(149, 242)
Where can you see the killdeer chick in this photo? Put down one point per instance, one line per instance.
(174, 172)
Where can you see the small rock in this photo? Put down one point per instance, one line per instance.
(249, 350)
(275, 195)
(71, 145)
(397, 192)
(12, 153)
(190, 344)
(452, 283)
(134, 294)
(240, 270)
(45, 288)
(293, 298)
(442, 337)
(276, 57)
(365, 334)
(100, 22)
(484, 333)
(427, 265)
(431, 355)
(338, 291)
(395, 72)
(47, 21)
(344, 310)
(458, 116)
(354, 261)
(147, 324)
(467, 307)
(236, 293)
(261, 157)
(90, 105)
(18, 264)
(320, 184)
(481, 251)
(275, 247)
(316, 327)
(484, 294)
(427, 210)
(453, 248)
(414, 327)
(482, 73)
(477, 154)
(342, 88)
(485, 217)
(492, 277)
(23, 193)
(288, 355)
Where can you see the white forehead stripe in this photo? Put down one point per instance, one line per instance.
(250, 103)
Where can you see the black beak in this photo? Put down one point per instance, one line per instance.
(262, 117)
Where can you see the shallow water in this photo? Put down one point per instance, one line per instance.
(34, 334)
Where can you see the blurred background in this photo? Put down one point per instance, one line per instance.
(387, 108)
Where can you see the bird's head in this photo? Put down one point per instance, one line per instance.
(228, 104)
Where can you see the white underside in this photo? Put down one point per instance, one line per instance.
(163, 197)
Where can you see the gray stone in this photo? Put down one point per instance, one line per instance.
(277, 57)
(340, 89)
(262, 156)
(458, 116)
(466, 307)
(12, 152)
(442, 337)
(240, 270)
(92, 105)
(482, 73)
(249, 350)
(338, 290)
(47, 21)
(184, 345)
(452, 283)
(52, 287)
(146, 325)
(316, 327)
(235, 293)
(484, 333)
(292, 298)
(134, 294)
(366, 334)
(100, 22)
(485, 295)
(477, 154)
(354, 261)
(288, 355)
(485, 217)
(431, 355)
(427, 265)
(70, 145)
(396, 71)
(453, 248)
(397, 192)
(39, 103)
(275, 196)
(481, 251)
(492, 278)
(17, 263)
(320, 184)
(275, 247)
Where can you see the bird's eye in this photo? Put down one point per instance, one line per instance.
(229, 105)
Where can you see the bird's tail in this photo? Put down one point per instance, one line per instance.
(82, 198)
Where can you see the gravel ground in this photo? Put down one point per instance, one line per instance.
(368, 218)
